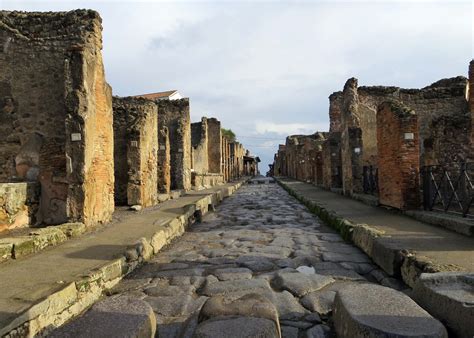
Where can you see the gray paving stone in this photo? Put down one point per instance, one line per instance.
(319, 301)
(370, 310)
(175, 306)
(240, 327)
(244, 285)
(232, 273)
(287, 305)
(318, 331)
(289, 332)
(300, 284)
(117, 316)
(338, 257)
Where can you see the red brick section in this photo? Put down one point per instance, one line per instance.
(399, 156)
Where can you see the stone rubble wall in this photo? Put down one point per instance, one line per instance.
(214, 145)
(135, 151)
(18, 204)
(56, 113)
(175, 116)
(164, 161)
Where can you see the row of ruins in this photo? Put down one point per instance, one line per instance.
(407, 147)
(70, 151)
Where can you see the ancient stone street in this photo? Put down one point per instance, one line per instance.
(261, 254)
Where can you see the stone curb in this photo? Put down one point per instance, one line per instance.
(72, 299)
(378, 246)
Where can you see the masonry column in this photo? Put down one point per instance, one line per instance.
(471, 99)
(398, 156)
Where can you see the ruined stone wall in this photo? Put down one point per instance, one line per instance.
(214, 145)
(199, 142)
(174, 114)
(441, 108)
(135, 151)
(56, 114)
(205, 181)
(471, 100)
(164, 160)
(399, 153)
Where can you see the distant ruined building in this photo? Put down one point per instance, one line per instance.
(69, 151)
(399, 145)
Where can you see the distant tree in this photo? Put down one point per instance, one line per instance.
(229, 134)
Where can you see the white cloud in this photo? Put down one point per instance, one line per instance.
(289, 128)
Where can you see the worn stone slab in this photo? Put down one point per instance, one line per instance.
(249, 305)
(240, 327)
(449, 296)
(232, 273)
(300, 284)
(175, 306)
(245, 285)
(117, 316)
(287, 305)
(371, 310)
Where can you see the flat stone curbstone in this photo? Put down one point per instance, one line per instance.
(371, 310)
(117, 316)
(449, 296)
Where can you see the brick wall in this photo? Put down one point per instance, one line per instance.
(399, 156)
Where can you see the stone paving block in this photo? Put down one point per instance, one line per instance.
(245, 285)
(300, 284)
(287, 305)
(371, 310)
(240, 327)
(449, 296)
(318, 331)
(175, 306)
(232, 273)
(116, 316)
(289, 332)
(319, 301)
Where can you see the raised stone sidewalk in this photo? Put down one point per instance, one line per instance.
(437, 263)
(48, 288)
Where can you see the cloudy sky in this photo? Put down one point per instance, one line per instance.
(266, 68)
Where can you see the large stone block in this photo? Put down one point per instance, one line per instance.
(370, 310)
(449, 296)
(118, 316)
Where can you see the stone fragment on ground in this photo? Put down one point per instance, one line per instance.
(450, 297)
(116, 316)
(370, 310)
(319, 301)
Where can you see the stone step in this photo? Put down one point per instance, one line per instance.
(370, 310)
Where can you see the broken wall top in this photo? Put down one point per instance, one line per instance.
(57, 29)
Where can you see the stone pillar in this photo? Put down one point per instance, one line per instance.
(335, 107)
(214, 145)
(135, 151)
(471, 99)
(398, 156)
(200, 145)
(174, 114)
(164, 167)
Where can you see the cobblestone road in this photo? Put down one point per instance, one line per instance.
(259, 261)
